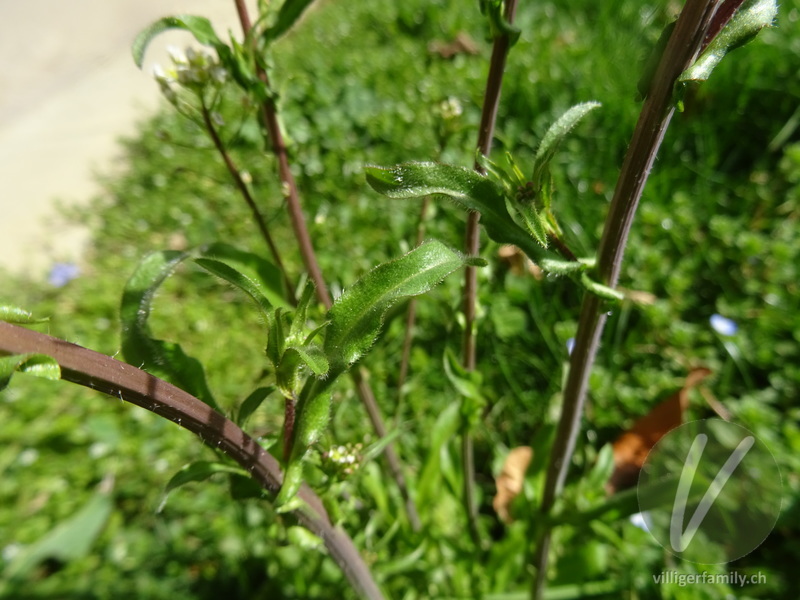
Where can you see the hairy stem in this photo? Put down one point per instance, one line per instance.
(683, 46)
(248, 197)
(491, 102)
(125, 382)
(270, 118)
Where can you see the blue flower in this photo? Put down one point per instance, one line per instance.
(62, 273)
(723, 325)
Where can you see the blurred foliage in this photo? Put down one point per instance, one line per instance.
(716, 234)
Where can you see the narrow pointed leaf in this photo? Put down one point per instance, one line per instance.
(251, 403)
(264, 276)
(313, 357)
(199, 27)
(357, 316)
(469, 189)
(38, 365)
(289, 14)
(200, 471)
(19, 316)
(557, 132)
(238, 279)
(746, 23)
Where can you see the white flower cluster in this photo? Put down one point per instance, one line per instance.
(450, 108)
(192, 70)
(344, 458)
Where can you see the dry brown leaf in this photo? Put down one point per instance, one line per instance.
(462, 44)
(519, 262)
(511, 479)
(633, 446)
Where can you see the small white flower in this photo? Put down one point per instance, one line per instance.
(570, 346)
(246, 177)
(176, 55)
(451, 108)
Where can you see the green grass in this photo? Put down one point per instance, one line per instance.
(717, 233)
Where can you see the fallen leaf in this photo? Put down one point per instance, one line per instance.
(633, 446)
(509, 482)
(462, 44)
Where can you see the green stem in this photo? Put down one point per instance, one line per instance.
(683, 46)
(491, 103)
(248, 198)
(270, 118)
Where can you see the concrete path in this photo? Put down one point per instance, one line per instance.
(68, 91)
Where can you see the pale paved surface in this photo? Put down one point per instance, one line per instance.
(68, 91)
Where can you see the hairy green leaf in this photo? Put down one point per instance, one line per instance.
(469, 189)
(356, 317)
(555, 134)
(199, 27)
(39, 365)
(14, 314)
(746, 23)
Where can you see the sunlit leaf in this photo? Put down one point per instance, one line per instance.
(554, 136)
(469, 189)
(744, 26)
(356, 317)
(38, 365)
(14, 314)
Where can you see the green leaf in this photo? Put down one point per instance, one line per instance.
(557, 132)
(356, 317)
(443, 430)
(746, 23)
(14, 314)
(257, 277)
(238, 279)
(469, 189)
(199, 27)
(139, 347)
(69, 540)
(288, 15)
(252, 402)
(498, 24)
(39, 365)
(199, 471)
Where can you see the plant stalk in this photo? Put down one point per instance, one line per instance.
(682, 48)
(491, 103)
(270, 118)
(125, 382)
(248, 198)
